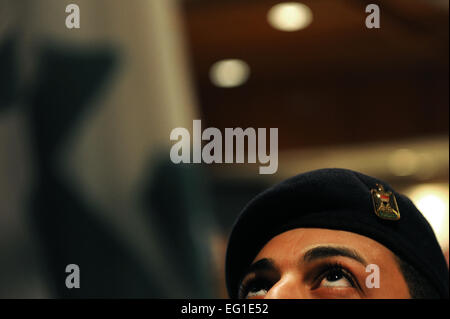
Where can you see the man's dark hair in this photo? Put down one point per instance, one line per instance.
(419, 287)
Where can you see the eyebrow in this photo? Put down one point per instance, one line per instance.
(261, 265)
(332, 251)
(320, 252)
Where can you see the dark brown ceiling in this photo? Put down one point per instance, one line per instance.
(335, 82)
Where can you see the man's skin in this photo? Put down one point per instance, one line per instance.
(312, 263)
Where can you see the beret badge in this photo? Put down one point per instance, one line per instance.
(384, 203)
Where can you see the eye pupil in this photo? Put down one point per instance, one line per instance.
(334, 275)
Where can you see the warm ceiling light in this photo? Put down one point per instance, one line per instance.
(229, 73)
(433, 202)
(290, 16)
(403, 162)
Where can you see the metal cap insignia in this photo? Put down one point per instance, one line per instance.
(384, 203)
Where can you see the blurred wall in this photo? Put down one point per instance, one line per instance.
(111, 145)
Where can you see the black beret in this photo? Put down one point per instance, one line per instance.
(336, 199)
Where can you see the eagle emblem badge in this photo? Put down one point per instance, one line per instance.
(384, 203)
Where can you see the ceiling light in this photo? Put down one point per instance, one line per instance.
(433, 202)
(229, 73)
(290, 16)
(403, 162)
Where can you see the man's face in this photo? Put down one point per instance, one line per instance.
(317, 263)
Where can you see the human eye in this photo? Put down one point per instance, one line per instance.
(254, 287)
(336, 276)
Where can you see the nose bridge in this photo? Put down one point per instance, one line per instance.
(288, 287)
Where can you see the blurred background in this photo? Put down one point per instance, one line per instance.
(86, 114)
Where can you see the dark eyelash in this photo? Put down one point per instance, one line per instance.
(256, 281)
(337, 267)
